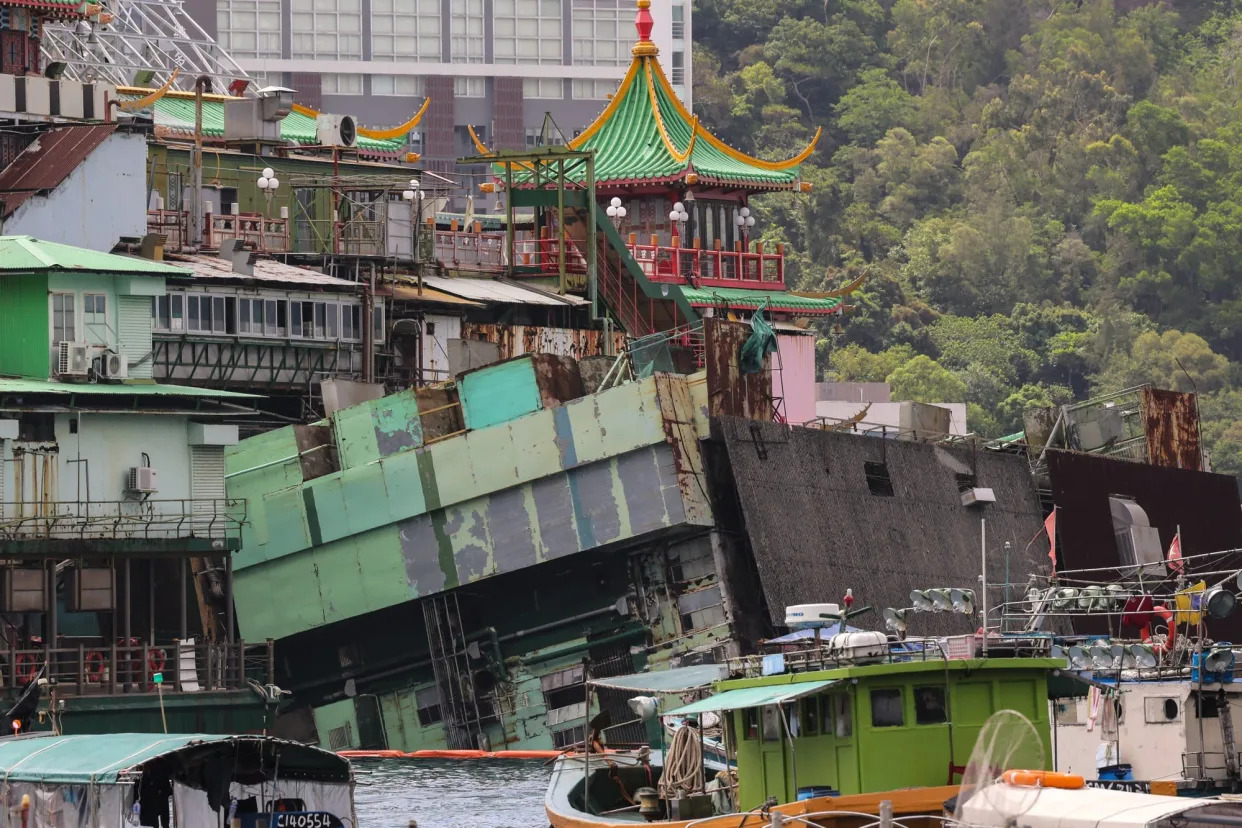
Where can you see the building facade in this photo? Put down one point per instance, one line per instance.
(497, 65)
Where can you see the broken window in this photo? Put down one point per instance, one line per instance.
(564, 687)
(878, 480)
(562, 739)
(427, 701)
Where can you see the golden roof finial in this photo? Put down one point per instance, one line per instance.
(644, 23)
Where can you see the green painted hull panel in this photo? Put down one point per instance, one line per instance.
(226, 712)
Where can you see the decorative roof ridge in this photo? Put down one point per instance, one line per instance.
(735, 154)
(376, 134)
(679, 156)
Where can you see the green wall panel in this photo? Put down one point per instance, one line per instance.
(24, 318)
(498, 393)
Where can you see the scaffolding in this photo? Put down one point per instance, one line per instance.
(142, 43)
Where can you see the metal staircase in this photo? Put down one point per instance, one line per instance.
(449, 662)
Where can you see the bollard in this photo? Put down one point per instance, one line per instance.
(886, 814)
(413, 824)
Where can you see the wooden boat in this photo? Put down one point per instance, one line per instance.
(194, 780)
(615, 777)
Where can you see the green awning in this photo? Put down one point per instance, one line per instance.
(675, 680)
(744, 697)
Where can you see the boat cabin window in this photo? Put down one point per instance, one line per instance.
(842, 716)
(886, 708)
(1204, 705)
(929, 706)
(810, 716)
(770, 717)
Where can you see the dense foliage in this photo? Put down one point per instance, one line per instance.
(1044, 194)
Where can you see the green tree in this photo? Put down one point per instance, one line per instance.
(872, 107)
(922, 379)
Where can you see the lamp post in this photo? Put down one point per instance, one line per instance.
(678, 218)
(745, 221)
(615, 212)
(269, 184)
(415, 194)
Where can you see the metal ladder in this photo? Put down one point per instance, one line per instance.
(449, 662)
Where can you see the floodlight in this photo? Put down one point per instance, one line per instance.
(1058, 652)
(1064, 598)
(920, 600)
(1219, 660)
(895, 619)
(1086, 598)
(1101, 655)
(963, 600)
(1219, 602)
(940, 600)
(1144, 655)
(1079, 659)
(1115, 596)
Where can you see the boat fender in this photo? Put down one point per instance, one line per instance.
(1044, 779)
(94, 666)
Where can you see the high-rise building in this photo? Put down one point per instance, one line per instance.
(496, 65)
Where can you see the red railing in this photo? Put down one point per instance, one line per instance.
(263, 234)
(754, 268)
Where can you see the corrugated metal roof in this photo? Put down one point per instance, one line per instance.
(47, 162)
(265, 270)
(410, 293)
(494, 290)
(144, 389)
(26, 254)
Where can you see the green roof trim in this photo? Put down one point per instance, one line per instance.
(645, 134)
(753, 299)
(26, 254)
(176, 114)
(744, 697)
(102, 759)
(139, 389)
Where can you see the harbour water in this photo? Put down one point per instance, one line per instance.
(446, 794)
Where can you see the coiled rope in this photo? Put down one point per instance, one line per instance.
(683, 765)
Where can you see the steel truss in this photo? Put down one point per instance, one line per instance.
(140, 46)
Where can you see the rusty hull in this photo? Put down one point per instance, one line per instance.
(1171, 421)
(729, 392)
(516, 340)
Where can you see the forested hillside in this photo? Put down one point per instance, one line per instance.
(1044, 195)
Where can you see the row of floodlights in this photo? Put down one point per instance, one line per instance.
(1217, 602)
(1103, 655)
(931, 600)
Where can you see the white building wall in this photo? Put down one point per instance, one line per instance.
(103, 199)
(885, 414)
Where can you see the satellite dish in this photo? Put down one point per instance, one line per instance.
(1064, 598)
(1101, 655)
(963, 600)
(1219, 602)
(1058, 652)
(920, 600)
(1078, 658)
(895, 619)
(1118, 654)
(940, 600)
(1219, 660)
(1144, 655)
(1128, 661)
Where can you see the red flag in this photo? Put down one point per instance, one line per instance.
(1175, 555)
(1050, 526)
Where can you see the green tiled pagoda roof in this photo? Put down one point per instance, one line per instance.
(175, 114)
(645, 135)
(745, 299)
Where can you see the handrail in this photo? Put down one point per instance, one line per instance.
(130, 519)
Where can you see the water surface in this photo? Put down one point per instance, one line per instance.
(446, 794)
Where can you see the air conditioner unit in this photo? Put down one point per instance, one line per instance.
(141, 479)
(74, 359)
(336, 130)
(978, 495)
(113, 365)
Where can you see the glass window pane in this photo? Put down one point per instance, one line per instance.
(929, 705)
(886, 708)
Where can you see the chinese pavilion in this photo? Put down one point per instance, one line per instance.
(677, 197)
(21, 30)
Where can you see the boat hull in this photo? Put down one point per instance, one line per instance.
(567, 775)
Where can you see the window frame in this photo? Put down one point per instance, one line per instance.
(919, 713)
(872, 694)
(72, 311)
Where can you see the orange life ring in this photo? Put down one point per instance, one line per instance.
(155, 662)
(1044, 779)
(94, 666)
(25, 671)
